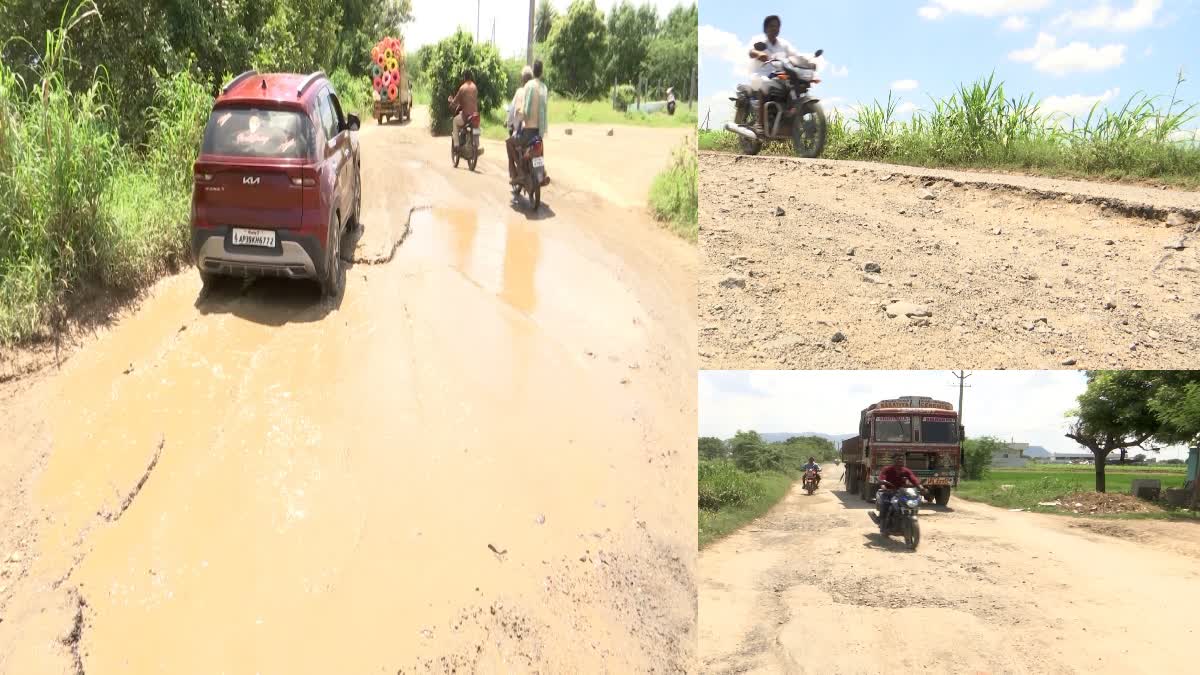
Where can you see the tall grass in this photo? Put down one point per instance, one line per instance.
(77, 207)
(674, 193)
(981, 125)
(730, 498)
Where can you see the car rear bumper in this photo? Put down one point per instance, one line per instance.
(295, 256)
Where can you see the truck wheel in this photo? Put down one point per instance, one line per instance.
(943, 495)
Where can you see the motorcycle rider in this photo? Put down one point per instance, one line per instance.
(464, 104)
(533, 114)
(776, 48)
(514, 120)
(812, 464)
(894, 477)
(670, 100)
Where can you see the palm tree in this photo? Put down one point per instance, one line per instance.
(546, 15)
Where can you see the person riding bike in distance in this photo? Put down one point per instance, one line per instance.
(533, 115)
(463, 104)
(812, 464)
(776, 48)
(515, 112)
(892, 478)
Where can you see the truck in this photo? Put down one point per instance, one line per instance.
(389, 80)
(926, 431)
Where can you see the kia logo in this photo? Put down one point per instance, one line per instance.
(251, 180)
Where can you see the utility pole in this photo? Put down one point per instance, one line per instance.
(529, 40)
(961, 376)
(477, 19)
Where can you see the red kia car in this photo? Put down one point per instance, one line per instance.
(277, 181)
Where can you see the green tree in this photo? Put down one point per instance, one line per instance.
(630, 31)
(977, 456)
(449, 59)
(1176, 404)
(750, 453)
(671, 56)
(1114, 414)
(577, 50)
(712, 448)
(544, 21)
(363, 23)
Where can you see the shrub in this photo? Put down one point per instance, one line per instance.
(447, 62)
(720, 484)
(673, 195)
(624, 95)
(354, 92)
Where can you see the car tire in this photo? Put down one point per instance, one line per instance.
(207, 278)
(331, 282)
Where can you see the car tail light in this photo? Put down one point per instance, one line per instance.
(305, 182)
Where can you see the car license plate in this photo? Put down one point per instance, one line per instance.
(539, 162)
(475, 131)
(244, 237)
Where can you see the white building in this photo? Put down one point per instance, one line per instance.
(1012, 456)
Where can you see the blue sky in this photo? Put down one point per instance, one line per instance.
(1070, 53)
(1014, 405)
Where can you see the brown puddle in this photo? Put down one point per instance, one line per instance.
(332, 475)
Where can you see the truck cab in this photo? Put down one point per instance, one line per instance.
(926, 431)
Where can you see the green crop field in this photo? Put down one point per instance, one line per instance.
(1046, 483)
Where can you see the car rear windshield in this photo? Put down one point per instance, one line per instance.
(253, 132)
(938, 430)
(893, 429)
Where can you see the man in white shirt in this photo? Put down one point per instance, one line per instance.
(777, 48)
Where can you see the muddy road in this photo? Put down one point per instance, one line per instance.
(812, 588)
(475, 459)
(881, 266)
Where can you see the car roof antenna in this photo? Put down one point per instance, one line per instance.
(264, 84)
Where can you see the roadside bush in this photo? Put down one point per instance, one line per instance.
(58, 151)
(977, 456)
(722, 485)
(354, 92)
(673, 195)
(624, 95)
(447, 62)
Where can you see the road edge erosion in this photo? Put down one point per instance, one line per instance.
(731, 499)
(984, 180)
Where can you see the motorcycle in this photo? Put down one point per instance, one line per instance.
(671, 104)
(791, 113)
(901, 515)
(468, 144)
(810, 481)
(531, 173)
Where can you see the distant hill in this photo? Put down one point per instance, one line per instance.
(780, 436)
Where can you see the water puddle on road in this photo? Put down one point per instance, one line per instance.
(539, 275)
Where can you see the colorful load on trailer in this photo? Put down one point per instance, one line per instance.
(924, 430)
(393, 91)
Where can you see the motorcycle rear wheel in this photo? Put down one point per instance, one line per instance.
(474, 157)
(453, 153)
(808, 135)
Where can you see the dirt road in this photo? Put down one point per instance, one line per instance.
(880, 266)
(476, 459)
(813, 588)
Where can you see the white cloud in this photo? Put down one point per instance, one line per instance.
(1104, 17)
(724, 47)
(1077, 105)
(1046, 56)
(906, 108)
(937, 9)
(905, 85)
(1192, 135)
(1015, 23)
